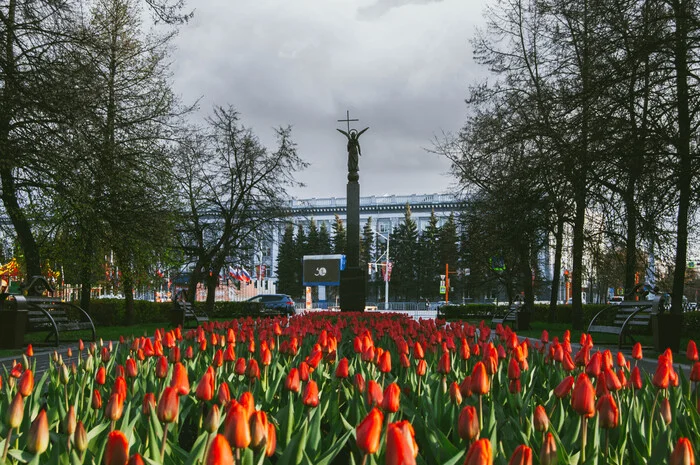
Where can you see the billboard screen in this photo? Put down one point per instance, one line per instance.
(323, 270)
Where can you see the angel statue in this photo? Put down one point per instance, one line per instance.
(354, 151)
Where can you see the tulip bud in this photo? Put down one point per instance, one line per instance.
(223, 395)
(521, 456)
(247, 400)
(480, 381)
(374, 394)
(608, 413)
(212, 420)
(562, 390)
(115, 407)
(400, 445)
(117, 449)
(665, 410)
(101, 376)
(548, 452)
(96, 400)
(136, 459)
(468, 423)
(168, 405)
(369, 431)
(422, 367)
(205, 388)
(583, 396)
(683, 453)
(480, 453)
(15, 413)
(220, 452)
(359, 382)
(292, 382)
(271, 445)
(258, 429)
(81, 438)
(342, 371)
(69, 421)
(455, 393)
(540, 419)
(691, 352)
(179, 380)
(391, 398)
(38, 437)
(25, 385)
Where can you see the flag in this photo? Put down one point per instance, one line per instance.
(244, 275)
(234, 273)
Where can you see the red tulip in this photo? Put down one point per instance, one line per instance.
(271, 445)
(468, 423)
(246, 400)
(252, 370)
(180, 380)
(563, 389)
(465, 387)
(662, 375)
(391, 398)
(15, 412)
(292, 382)
(30, 351)
(220, 452)
(237, 427)
(343, 368)
(400, 445)
(310, 395)
(359, 382)
(594, 365)
(96, 400)
(583, 396)
(131, 368)
(205, 387)
(136, 459)
(683, 453)
(665, 411)
(691, 352)
(162, 368)
(117, 449)
(695, 372)
(521, 456)
(418, 352)
(540, 419)
(369, 431)
(385, 362)
(548, 452)
(149, 400)
(374, 394)
(621, 362)
(455, 393)
(25, 386)
(608, 413)
(612, 382)
(637, 351)
(169, 405)
(445, 363)
(480, 453)
(422, 367)
(513, 369)
(304, 371)
(480, 382)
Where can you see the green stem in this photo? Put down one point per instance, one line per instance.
(584, 434)
(165, 438)
(7, 445)
(481, 410)
(651, 419)
(364, 459)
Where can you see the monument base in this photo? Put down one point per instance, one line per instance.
(352, 290)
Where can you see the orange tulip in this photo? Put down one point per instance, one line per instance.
(455, 393)
(115, 407)
(418, 352)
(548, 452)
(180, 380)
(212, 420)
(30, 351)
(131, 369)
(205, 387)
(662, 375)
(422, 367)
(258, 429)
(136, 459)
(25, 386)
(304, 371)
(162, 368)
(583, 396)
(80, 439)
(540, 420)
(237, 427)
(608, 413)
(637, 351)
(683, 453)
(220, 452)
(359, 382)
(385, 362)
(369, 431)
(69, 421)
(310, 395)
(468, 423)
(521, 456)
(271, 445)
(342, 371)
(117, 449)
(391, 398)
(480, 453)
(247, 400)
(445, 363)
(96, 400)
(480, 382)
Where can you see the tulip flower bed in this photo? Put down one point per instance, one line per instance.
(329, 388)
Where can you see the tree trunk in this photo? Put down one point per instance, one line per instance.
(212, 282)
(558, 247)
(631, 241)
(128, 289)
(681, 12)
(577, 252)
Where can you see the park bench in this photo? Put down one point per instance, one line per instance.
(512, 315)
(188, 312)
(627, 318)
(47, 313)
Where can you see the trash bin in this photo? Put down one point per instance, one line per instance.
(177, 315)
(13, 324)
(666, 328)
(522, 321)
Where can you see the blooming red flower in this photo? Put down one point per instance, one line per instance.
(480, 381)
(563, 389)
(682, 453)
(635, 380)
(391, 398)
(258, 429)
(205, 387)
(374, 394)
(180, 381)
(237, 427)
(401, 447)
(168, 405)
(161, 368)
(637, 351)
(662, 375)
(608, 413)
(253, 370)
(369, 431)
(384, 364)
(131, 369)
(468, 423)
(292, 382)
(691, 352)
(25, 386)
(445, 363)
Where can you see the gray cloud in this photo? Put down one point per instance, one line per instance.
(404, 74)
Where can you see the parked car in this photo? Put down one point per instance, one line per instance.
(616, 300)
(275, 304)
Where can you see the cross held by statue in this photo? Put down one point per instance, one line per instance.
(347, 119)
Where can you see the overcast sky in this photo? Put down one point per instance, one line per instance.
(401, 66)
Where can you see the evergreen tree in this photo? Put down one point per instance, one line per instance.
(312, 240)
(403, 249)
(449, 252)
(429, 260)
(324, 240)
(287, 268)
(339, 236)
(301, 246)
(367, 253)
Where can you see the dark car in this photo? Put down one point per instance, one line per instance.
(275, 304)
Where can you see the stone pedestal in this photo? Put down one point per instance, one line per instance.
(352, 279)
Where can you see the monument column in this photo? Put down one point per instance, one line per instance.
(353, 278)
